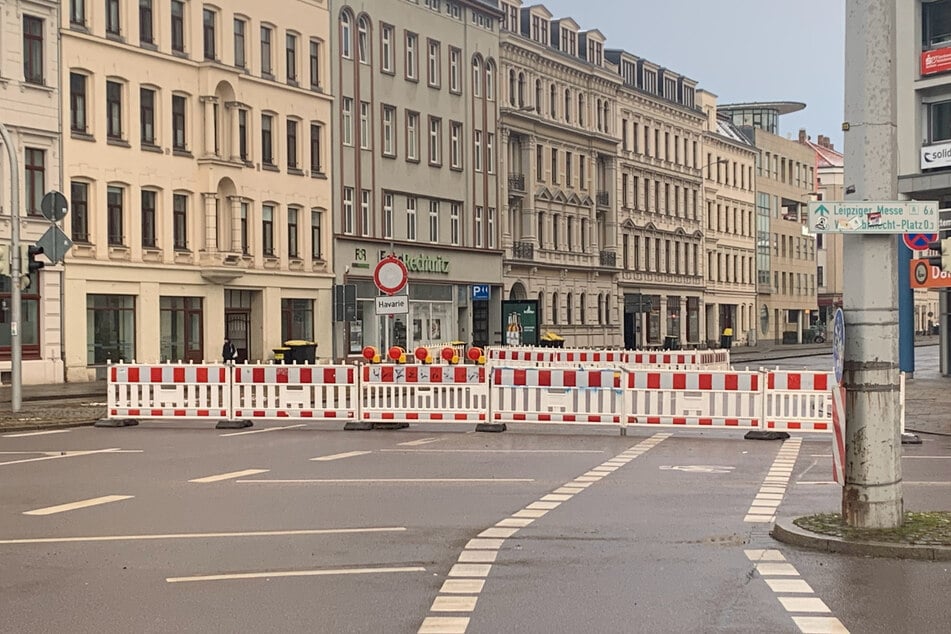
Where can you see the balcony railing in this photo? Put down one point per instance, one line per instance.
(517, 183)
(603, 199)
(523, 250)
(608, 258)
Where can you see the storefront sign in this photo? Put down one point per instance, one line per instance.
(923, 275)
(934, 156)
(936, 61)
(422, 263)
(520, 321)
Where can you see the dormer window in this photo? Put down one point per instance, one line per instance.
(595, 52)
(569, 42)
(510, 19)
(540, 29)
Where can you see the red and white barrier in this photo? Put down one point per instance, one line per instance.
(558, 357)
(295, 391)
(168, 391)
(423, 393)
(557, 395)
(703, 399)
(798, 401)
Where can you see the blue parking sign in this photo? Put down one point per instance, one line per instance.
(480, 291)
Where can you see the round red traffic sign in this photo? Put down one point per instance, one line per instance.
(919, 241)
(390, 275)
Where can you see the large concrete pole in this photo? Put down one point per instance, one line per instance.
(872, 497)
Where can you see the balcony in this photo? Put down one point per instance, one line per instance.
(523, 250)
(603, 199)
(516, 183)
(608, 258)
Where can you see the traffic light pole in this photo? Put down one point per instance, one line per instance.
(16, 360)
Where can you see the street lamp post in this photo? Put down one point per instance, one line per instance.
(15, 309)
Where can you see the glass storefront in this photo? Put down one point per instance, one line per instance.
(297, 319)
(429, 320)
(110, 328)
(673, 317)
(693, 319)
(653, 320)
(29, 318)
(180, 328)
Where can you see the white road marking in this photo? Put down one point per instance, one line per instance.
(819, 625)
(533, 514)
(484, 544)
(340, 456)
(228, 476)
(421, 441)
(37, 433)
(478, 556)
(261, 431)
(543, 505)
(500, 533)
(151, 537)
(773, 489)
(777, 570)
(72, 506)
(491, 450)
(765, 555)
(295, 573)
(515, 522)
(462, 586)
(553, 497)
(454, 604)
(789, 586)
(395, 481)
(470, 570)
(444, 625)
(804, 604)
(66, 454)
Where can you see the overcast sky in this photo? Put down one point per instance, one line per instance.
(740, 50)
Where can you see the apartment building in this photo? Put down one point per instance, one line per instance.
(415, 167)
(195, 152)
(729, 228)
(786, 252)
(30, 110)
(659, 189)
(560, 136)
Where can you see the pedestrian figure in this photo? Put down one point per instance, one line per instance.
(228, 352)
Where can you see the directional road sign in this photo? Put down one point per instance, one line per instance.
(863, 216)
(919, 241)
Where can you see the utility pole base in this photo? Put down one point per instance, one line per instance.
(872, 507)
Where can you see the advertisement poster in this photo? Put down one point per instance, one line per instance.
(520, 320)
(356, 336)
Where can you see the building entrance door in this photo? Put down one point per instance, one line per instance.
(237, 328)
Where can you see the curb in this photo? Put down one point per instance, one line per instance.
(785, 531)
(41, 427)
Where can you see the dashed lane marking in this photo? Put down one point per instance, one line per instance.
(82, 504)
(395, 481)
(579, 451)
(261, 431)
(773, 490)
(272, 574)
(421, 441)
(64, 454)
(228, 476)
(153, 537)
(340, 456)
(37, 433)
(466, 579)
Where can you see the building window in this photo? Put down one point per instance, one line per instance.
(939, 116)
(243, 135)
(179, 141)
(113, 26)
(180, 221)
(433, 77)
(148, 218)
(266, 35)
(35, 179)
(454, 227)
(455, 145)
(477, 152)
(477, 81)
(489, 82)
(292, 239)
(267, 230)
(412, 61)
(240, 29)
(267, 139)
(410, 218)
(291, 58)
(348, 219)
(114, 110)
(435, 141)
(208, 18)
(314, 64)
(114, 215)
(245, 238)
(363, 35)
(364, 125)
(387, 215)
(77, 103)
(434, 221)
(365, 212)
(147, 116)
(386, 48)
(181, 321)
(145, 22)
(389, 131)
(478, 227)
(347, 123)
(490, 152)
(297, 320)
(32, 50)
(935, 24)
(491, 227)
(178, 26)
(77, 12)
(79, 211)
(346, 36)
(412, 136)
(316, 165)
(111, 321)
(316, 234)
(455, 59)
(292, 144)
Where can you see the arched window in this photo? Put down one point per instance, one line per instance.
(552, 101)
(513, 87)
(607, 309)
(600, 308)
(582, 306)
(363, 40)
(490, 81)
(554, 309)
(521, 90)
(568, 105)
(477, 78)
(606, 127)
(569, 309)
(538, 96)
(580, 109)
(346, 36)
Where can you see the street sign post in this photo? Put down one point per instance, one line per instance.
(882, 217)
(919, 241)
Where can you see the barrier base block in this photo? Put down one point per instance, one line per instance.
(116, 422)
(491, 427)
(233, 424)
(908, 438)
(399, 425)
(766, 435)
(358, 425)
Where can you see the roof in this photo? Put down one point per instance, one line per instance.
(726, 128)
(781, 107)
(827, 157)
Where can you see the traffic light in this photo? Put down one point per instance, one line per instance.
(28, 263)
(4, 260)
(943, 258)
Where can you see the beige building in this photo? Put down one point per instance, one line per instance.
(416, 167)
(659, 189)
(729, 228)
(786, 257)
(559, 125)
(195, 151)
(30, 110)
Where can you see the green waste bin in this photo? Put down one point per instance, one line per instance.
(300, 351)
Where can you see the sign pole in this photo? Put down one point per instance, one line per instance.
(16, 358)
(906, 312)
(872, 496)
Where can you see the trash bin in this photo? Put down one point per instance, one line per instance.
(726, 339)
(281, 355)
(551, 340)
(671, 342)
(301, 351)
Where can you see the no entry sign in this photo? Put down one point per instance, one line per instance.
(390, 275)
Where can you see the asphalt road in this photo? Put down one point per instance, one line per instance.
(177, 527)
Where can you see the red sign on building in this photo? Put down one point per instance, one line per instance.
(936, 61)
